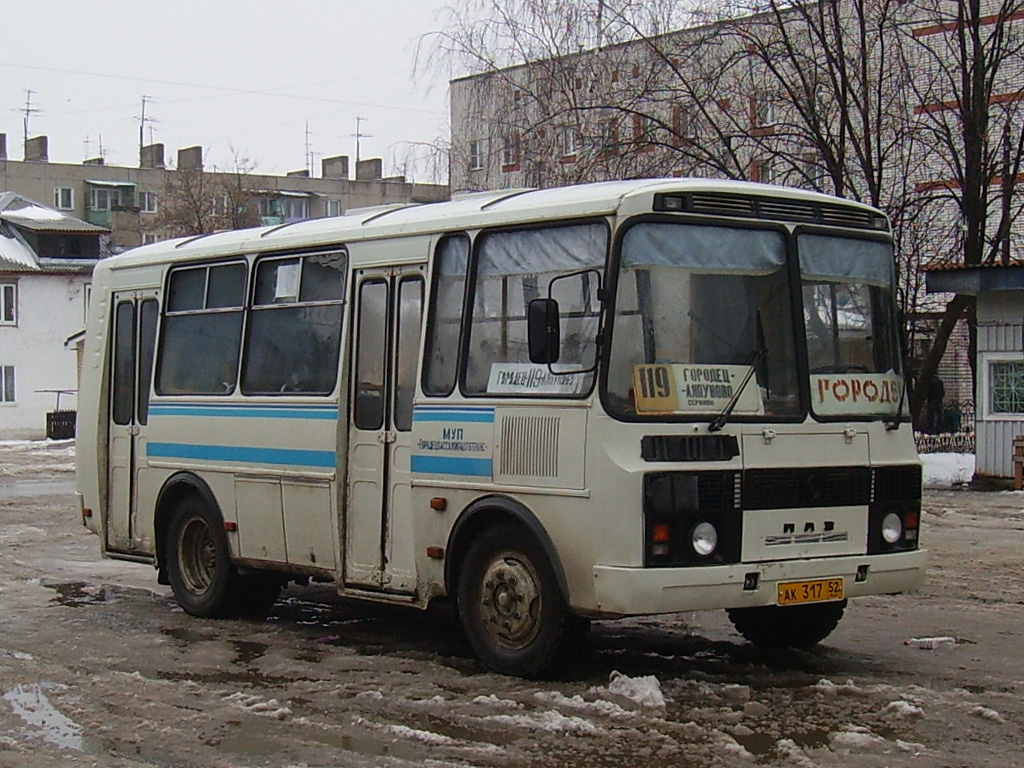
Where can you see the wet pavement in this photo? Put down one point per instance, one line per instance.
(100, 667)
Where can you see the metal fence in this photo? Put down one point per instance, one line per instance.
(952, 431)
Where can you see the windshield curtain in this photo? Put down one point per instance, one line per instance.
(696, 307)
(850, 322)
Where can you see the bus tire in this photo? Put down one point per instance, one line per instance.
(198, 560)
(510, 606)
(796, 626)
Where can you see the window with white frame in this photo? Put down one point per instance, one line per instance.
(147, 202)
(148, 238)
(6, 383)
(476, 154)
(296, 208)
(102, 199)
(8, 304)
(332, 207)
(1005, 386)
(64, 198)
(569, 140)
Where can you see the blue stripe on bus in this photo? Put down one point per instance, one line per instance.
(485, 416)
(247, 411)
(451, 465)
(242, 454)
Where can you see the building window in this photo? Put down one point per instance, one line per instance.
(510, 152)
(762, 110)
(476, 155)
(64, 198)
(569, 141)
(270, 206)
(296, 208)
(8, 304)
(147, 202)
(763, 171)
(148, 238)
(104, 199)
(332, 207)
(6, 383)
(1006, 387)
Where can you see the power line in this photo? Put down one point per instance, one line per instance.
(227, 89)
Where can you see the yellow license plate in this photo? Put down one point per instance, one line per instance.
(817, 591)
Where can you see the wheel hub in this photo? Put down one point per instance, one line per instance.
(510, 601)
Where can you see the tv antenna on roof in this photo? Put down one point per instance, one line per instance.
(360, 135)
(28, 111)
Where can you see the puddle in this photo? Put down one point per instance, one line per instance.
(31, 705)
(77, 594)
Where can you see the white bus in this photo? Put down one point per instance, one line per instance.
(626, 398)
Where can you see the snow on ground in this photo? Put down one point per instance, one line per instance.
(947, 470)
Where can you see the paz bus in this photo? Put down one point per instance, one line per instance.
(551, 406)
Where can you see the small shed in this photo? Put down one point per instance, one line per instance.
(999, 410)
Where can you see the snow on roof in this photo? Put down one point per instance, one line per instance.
(35, 213)
(26, 213)
(15, 255)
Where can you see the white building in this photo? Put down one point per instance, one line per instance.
(46, 262)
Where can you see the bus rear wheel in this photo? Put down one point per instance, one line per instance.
(509, 602)
(796, 626)
(198, 561)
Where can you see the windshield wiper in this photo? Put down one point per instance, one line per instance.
(719, 421)
(893, 422)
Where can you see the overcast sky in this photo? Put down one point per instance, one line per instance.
(222, 74)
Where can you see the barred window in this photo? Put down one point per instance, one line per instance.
(1006, 384)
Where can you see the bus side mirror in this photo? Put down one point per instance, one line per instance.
(544, 331)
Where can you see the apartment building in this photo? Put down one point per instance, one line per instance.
(135, 203)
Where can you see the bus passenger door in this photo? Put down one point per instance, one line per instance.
(134, 329)
(379, 541)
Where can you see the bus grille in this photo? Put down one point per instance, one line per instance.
(897, 483)
(811, 487)
(529, 446)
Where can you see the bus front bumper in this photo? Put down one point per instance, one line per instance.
(643, 591)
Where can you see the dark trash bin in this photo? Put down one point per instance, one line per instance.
(60, 425)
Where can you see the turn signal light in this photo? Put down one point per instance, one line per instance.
(661, 533)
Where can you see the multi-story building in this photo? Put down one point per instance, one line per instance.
(858, 98)
(58, 219)
(153, 202)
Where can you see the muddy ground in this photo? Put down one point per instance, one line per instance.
(99, 667)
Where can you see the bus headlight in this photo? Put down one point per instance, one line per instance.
(892, 528)
(704, 538)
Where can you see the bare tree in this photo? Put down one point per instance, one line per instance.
(970, 105)
(198, 202)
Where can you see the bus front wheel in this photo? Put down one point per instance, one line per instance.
(198, 562)
(797, 626)
(509, 602)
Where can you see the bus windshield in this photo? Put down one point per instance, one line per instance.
(696, 307)
(852, 333)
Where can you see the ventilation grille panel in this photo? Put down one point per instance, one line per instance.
(529, 446)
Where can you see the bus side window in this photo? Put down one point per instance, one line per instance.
(294, 335)
(200, 340)
(441, 353)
